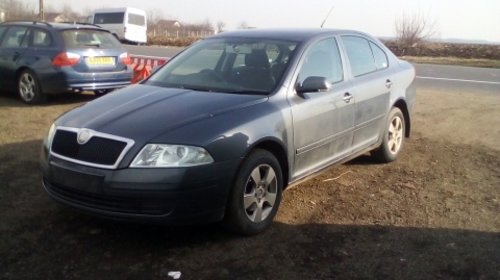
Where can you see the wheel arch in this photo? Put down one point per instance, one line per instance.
(24, 68)
(276, 148)
(401, 104)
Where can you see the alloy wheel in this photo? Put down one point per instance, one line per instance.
(260, 193)
(395, 134)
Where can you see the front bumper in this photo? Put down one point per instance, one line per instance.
(165, 196)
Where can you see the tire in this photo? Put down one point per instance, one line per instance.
(393, 137)
(253, 205)
(28, 88)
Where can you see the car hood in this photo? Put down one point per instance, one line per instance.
(141, 112)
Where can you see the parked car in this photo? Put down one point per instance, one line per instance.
(218, 132)
(127, 24)
(40, 58)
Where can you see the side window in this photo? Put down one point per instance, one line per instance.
(322, 60)
(2, 31)
(359, 54)
(14, 37)
(136, 19)
(380, 57)
(41, 38)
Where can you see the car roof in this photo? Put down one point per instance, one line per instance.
(55, 25)
(295, 34)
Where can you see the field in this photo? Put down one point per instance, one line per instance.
(432, 214)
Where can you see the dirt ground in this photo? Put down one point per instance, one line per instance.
(432, 214)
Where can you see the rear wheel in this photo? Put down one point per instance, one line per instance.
(256, 195)
(393, 137)
(29, 88)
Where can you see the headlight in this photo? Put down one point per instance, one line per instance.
(160, 155)
(47, 141)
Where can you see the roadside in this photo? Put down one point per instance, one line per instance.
(472, 62)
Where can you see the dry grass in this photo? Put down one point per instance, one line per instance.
(474, 62)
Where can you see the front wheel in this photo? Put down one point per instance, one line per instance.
(256, 195)
(392, 138)
(29, 88)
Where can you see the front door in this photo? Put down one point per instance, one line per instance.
(323, 121)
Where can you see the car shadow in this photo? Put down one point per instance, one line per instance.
(285, 251)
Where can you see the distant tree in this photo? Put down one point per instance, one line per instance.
(69, 14)
(243, 25)
(220, 26)
(153, 17)
(17, 10)
(415, 28)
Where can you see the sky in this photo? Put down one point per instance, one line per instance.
(457, 19)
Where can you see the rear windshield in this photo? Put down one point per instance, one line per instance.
(106, 18)
(84, 38)
(136, 19)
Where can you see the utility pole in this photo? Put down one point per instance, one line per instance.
(41, 14)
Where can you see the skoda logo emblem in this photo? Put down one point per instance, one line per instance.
(83, 136)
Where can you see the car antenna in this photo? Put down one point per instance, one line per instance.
(327, 15)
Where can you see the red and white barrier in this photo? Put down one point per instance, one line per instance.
(144, 65)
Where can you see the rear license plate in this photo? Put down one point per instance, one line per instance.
(100, 60)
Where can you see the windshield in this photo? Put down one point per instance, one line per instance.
(233, 65)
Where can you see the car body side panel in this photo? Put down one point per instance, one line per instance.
(372, 102)
(323, 128)
(9, 63)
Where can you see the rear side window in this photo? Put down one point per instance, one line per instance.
(81, 38)
(359, 54)
(41, 38)
(380, 57)
(106, 18)
(14, 37)
(136, 19)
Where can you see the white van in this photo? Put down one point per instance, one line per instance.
(127, 24)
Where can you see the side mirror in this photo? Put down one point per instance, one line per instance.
(314, 84)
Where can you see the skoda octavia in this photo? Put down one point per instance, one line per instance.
(219, 131)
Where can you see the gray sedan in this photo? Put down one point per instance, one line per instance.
(219, 131)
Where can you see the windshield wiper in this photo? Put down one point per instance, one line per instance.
(197, 88)
(248, 91)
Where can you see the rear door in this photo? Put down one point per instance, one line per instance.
(135, 28)
(323, 121)
(12, 47)
(372, 81)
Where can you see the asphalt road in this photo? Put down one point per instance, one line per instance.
(435, 77)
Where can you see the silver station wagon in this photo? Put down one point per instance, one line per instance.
(224, 127)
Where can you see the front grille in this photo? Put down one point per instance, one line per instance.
(98, 150)
(151, 205)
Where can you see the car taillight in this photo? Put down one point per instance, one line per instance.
(66, 59)
(125, 58)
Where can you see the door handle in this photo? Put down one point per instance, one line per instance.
(388, 83)
(347, 97)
